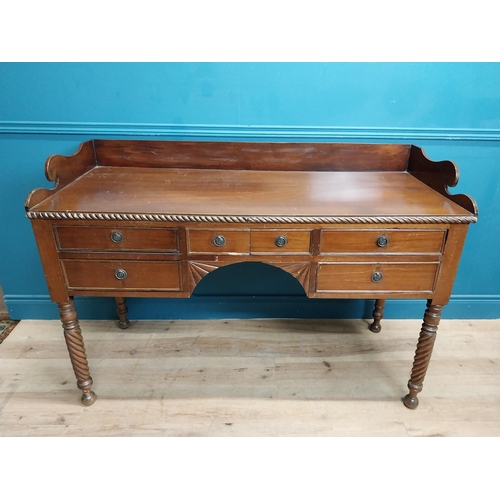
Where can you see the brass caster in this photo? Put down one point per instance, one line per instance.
(410, 402)
(88, 398)
(124, 324)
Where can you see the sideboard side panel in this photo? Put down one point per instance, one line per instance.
(449, 265)
(45, 240)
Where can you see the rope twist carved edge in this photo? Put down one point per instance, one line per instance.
(257, 219)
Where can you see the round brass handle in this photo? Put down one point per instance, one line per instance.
(120, 274)
(116, 236)
(377, 277)
(219, 241)
(382, 241)
(281, 241)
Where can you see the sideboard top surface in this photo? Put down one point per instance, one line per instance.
(248, 192)
(250, 182)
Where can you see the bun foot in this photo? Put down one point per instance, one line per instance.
(410, 402)
(124, 324)
(377, 315)
(121, 309)
(88, 398)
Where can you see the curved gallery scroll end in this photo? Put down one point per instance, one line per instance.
(445, 172)
(62, 170)
(440, 176)
(35, 197)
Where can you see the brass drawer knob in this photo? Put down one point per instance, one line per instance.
(377, 277)
(281, 241)
(116, 236)
(120, 274)
(382, 241)
(219, 241)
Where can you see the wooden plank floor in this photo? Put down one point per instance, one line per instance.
(251, 378)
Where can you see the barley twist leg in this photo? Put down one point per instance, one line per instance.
(378, 314)
(76, 349)
(423, 353)
(122, 310)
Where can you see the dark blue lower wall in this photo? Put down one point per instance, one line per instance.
(234, 307)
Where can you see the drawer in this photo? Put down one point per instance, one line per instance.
(381, 241)
(221, 241)
(405, 277)
(278, 241)
(102, 239)
(122, 275)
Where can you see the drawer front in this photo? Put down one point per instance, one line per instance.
(221, 241)
(381, 241)
(405, 277)
(280, 242)
(101, 239)
(122, 275)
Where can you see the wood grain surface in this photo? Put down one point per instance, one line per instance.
(246, 192)
(251, 378)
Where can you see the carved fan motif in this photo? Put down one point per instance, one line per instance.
(200, 269)
(299, 271)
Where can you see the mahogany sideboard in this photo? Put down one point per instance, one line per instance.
(152, 218)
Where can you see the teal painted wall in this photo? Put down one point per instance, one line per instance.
(451, 110)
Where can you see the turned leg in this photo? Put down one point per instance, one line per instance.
(121, 309)
(423, 353)
(76, 349)
(378, 314)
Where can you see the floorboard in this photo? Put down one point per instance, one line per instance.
(251, 378)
